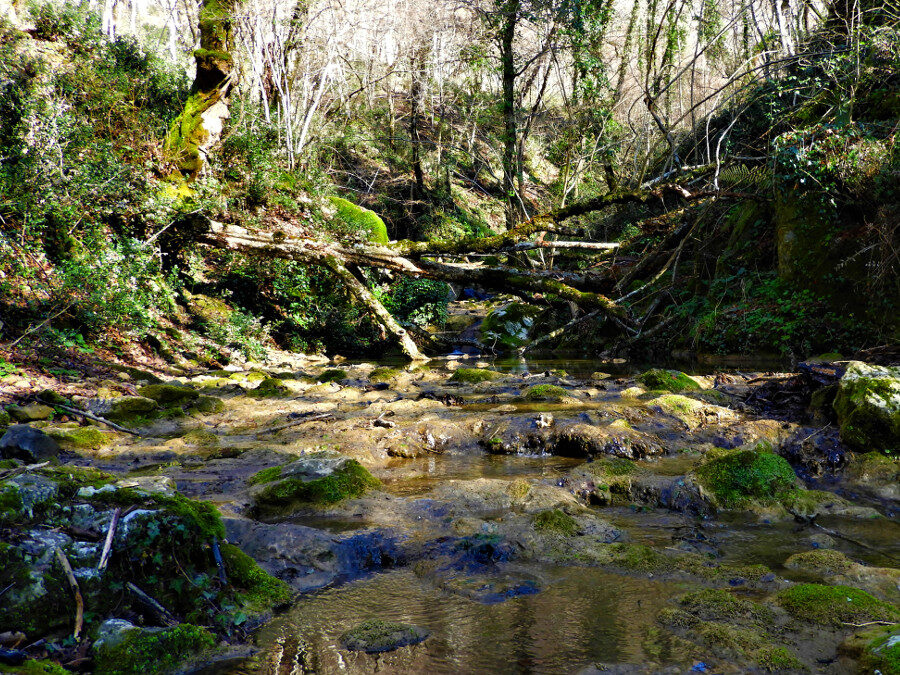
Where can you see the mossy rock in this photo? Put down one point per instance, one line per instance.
(262, 590)
(271, 387)
(332, 375)
(867, 405)
(668, 380)
(368, 223)
(877, 649)
(874, 468)
(36, 667)
(548, 393)
(154, 652)
(128, 408)
(81, 438)
(378, 636)
(740, 476)
(825, 562)
(474, 375)
(33, 412)
(201, 437)
(715, 604)
(268, 475)
(349, 479)
(383, 374)
(834, 605)
(510, 326)
(555, 520)
(208, 405)
(5, 420)
(168, 395)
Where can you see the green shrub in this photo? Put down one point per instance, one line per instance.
(418, 301)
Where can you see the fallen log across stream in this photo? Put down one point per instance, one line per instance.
(429, 259)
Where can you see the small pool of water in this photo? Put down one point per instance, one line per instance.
(415, 477)
(582, 616)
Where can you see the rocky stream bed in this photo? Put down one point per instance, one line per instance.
(459, 516)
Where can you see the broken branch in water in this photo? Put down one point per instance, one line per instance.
(76, 591)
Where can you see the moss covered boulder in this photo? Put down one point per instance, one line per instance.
(131, 408)
(361, 220)
(668, 380)
(382, 636)
(867, 405)
(168, 395)
(318, 479)
(735, 478)
(271, 387)
(73, 437)
(548, 393)
(834, 605)
(208, 311)
(474, 375)
(33, 412)
(876, 648)
(151, 651)
(556, 521)
(510, 326)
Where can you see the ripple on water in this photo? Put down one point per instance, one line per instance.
(582, 616)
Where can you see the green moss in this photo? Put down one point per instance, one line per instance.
(168, 395)
(271, 387)
(834, 605)
(10, 504)
(808, 503)
(518, 489)
(351, 480)
(72, 478)
(268, 475)
(263, 591)
(81, 438)
(638, 558)
(554, 520)
(154, 653)
(201, 437)
(35, 667)
(773, 658)
(474, 375)
(366, 222)
(746, 474)
(882, 653)
(874, 467)
(208, 405)
(546, 392)
(200, 516)
(332, 375)
(5, 419)
(867, 405)
(668, 380)
(825, 562)
(713, 604)
(9, 463)
(383, 374)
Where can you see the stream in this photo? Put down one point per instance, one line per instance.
(448, 544)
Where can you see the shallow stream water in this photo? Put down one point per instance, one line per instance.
(573, 618)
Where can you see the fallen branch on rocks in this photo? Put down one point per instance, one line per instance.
(22, 469)
(90, 416)
(76, 591)
(296, 423)
(160, 613)
(110, 535)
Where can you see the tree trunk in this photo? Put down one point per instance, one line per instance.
(199, 126)
(415, 94)
(511, 164)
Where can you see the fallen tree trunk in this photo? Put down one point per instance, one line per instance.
(418, 259)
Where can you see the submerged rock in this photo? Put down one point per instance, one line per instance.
(27, 443)
(867, 405)
(382, 636)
